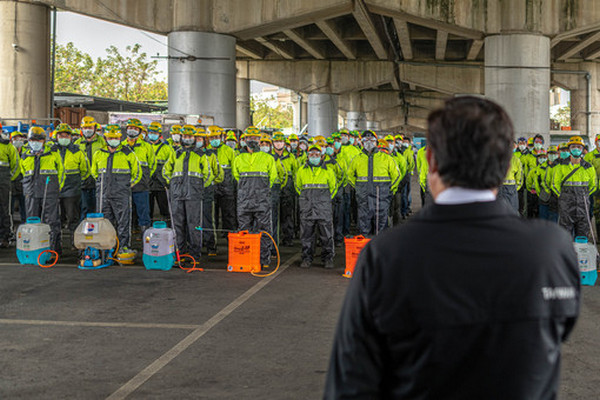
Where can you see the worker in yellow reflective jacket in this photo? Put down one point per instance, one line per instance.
(9, 171)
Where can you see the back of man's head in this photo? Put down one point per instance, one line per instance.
(471, 141)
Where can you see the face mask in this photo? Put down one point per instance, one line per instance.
(338, 145)
(351, 140)
(552, 157)
(200, 144)
(153, 137)
(537, 146)
(88, 133)
(303, 146)
(254, 146)
(36, 146)
(369, 145)
(188, 141)
(329, 151)
(113, 142)
(242, 143)
(405, 145)
(391, 147)
(294, 145)
(18, 143)
(64, 141)
(5, 136)
(133, 133)
(541, 160)
(522, 147)
(265, 149)
(344, 139)
(564, 155)
(176, 138)
(215, 142)
(231, 144)
(278, 145)
(576, 152)
(314, 160)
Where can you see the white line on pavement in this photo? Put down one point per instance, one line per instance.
(96, 324)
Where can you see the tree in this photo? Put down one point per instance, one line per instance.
(271, 117)
(563, 115)
(130, 76)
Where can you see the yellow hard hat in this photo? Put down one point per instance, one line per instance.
(112, 131)
(135, 123)
(188, 130)
(175, 130)
(200, 131)
(36, 133)
(214, 130)
(265, 138)
(575, 140)
(155, 127)
(88, 122)
(252, 131)
(63, 128)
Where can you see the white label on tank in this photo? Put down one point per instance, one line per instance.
(90, 228)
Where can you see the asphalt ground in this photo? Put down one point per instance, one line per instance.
(124, 332)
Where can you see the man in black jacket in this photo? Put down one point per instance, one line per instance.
(466, 300)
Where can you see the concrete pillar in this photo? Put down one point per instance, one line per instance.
(373, 125)
(204, 87)
(356, 121)
(304, 114)
(242, 95)
(322, 114)
(517, 76)
(25, 66)
(579, 101)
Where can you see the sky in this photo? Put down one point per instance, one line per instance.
(93, 36)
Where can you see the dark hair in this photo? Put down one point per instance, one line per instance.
(472, 141)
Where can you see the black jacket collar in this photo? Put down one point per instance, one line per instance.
(469, 211)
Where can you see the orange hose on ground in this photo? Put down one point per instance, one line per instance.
(49, 265)
(194, 263)
(278, 258)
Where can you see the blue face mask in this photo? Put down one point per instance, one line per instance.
(314, 160)
(351, 140)
(153, 137)
(36, 146)
(329, 151)
(564, 155)
(199, 144)
(576, 152)
(337, 145)
(215, 142)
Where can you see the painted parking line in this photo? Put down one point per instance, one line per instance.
(96, 324)
(167, 357)
(115, 267)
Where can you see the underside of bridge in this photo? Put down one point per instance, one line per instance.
(385, 61)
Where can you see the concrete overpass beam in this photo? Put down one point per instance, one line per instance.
(444, 78)
(203, 86)
(374, 125)
(322, 114)
(404, 38)
(366, 23)
(517, 76)
(242, 95)
(25, 66)
(335, 35)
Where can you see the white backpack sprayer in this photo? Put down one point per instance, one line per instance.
(33, 239)
(97, 237)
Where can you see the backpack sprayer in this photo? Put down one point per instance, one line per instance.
(33, 239)
(97, 237)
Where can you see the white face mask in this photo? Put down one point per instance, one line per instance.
(176, 138)
(5, 136)
(522, 147)
(132, 133)
(18, 143)
(36, 146)
(113, 142)
(231, 144)
(88, 133)
(344, 139)
(303, 146)
(265, 149)
(278, 145)
(369, 145)
(552, 157)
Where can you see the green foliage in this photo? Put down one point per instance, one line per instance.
(263, 115)
(130, 76)
(563, 115)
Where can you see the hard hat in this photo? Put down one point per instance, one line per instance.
(135, 123)
(563, 146)
(311, 140)
(389, 138)
(175, 130)
(552, 149)
(368, 134)
(36, 133)
(278, 136)
(302, 138)
(330, 140)
(335, 135)
(541, 152)
(321, 142)
(265, 138)
(344, 131)
(314, 147)
(597, 137)
(252, 131)
(398, 137)
(76, 132)
(16, 133)
(530, 141)
(521, 139)
(230, 136)
(88, 122)
(188, 130)
(63, 128)
(293, 136)
(575, 140)
(112, 131)
(200, 131)
(155, 127)
(215, 130)
(319, 137)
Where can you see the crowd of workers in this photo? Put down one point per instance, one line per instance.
(312, 188)
(213, 180)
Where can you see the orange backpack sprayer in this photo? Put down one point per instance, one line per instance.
(353, 248)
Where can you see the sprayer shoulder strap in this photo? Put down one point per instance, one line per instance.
(570, 174)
